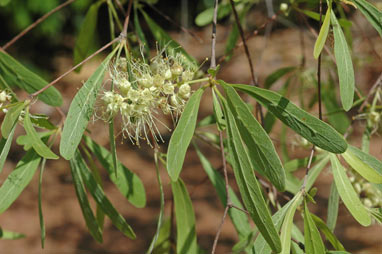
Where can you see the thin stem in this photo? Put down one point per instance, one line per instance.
(127, 19)
(33, 25)
(219, 230)
(75, 67)
(213, 37)
(120, 6)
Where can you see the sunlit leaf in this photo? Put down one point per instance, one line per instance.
(348, 194)
(8, 235)
(344, 65)
(308, 126)
(5, 145)
(333, 204)
(10, 118)
(182, 135)
(313, 241)
(321, 39)
(16, 74)
(185, 219)
(328, 233)
(81, 110)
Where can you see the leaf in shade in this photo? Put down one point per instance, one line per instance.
(100, 197)
(140, 33)
(5, 145)
(37, 144)
(11, 117)
(81, 109)
(220, 121)
(165, 41)
(348, 194)
(86, 36)
(286, 228)
(239, 219)
(344, 65)
(185, 219)
(18, 179)
(248, 185)
(262, 153)
(313, 241)
(311, 128)
(276, 75)
(182, 136)
(333, 204)
(328, 233)
(127, 182)
(16, 74)
(366, 165)
(372, 14)
(321, 39)
(78, 182)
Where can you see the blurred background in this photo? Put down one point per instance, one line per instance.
(287, 40)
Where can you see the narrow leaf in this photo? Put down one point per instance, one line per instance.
(37, 144)
(344, 65)
(249, 187)
(5, 145)
(81, 109)
(276, 75)
(328, 233)
(348, 194)
(18, 179)
(16, 74)
(140, 33)
(308, 126)
(10, 118)
(8, 235)
(286, 229)
(40, 214)
(185, 219)
(87, 212)
(333, 204)
(262, 153)
(366, 165)
(100, 198)
(127, 182)
(182, 135)
(86, 36)
(313, 241)
(372, 14)
(220, 121)
(321, 39)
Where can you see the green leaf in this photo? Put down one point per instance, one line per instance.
(313, 241)
(113, 147)
(344, 65)
(17, 74)
(165, 41)
(366, 165)
(205, 17)
(81, 109)
(348, 194)
(40, 214)
(276, 75)
(99, 196)
(333, 204)
(27, 141)
(185, 219)
(127, 182)
(321, 39)
(11, 118)
(308, 126)
(286, 228)
(376, 213)
(4, 2)
(239, 219)
(37, 144)
(78, 182)
(328, 233)
(372, 14)
(5, 145)
(140, 33)
(18, 179)
(220, 120)
(248, 186)
(42, 121)
(316, 16)
(182, 136)
(86, 36)
(8, 235)
(260, 245)
(260, 147)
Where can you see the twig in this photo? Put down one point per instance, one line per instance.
(75, 67)
(195, 36)
(120, 6)
(34, 24)
(213, 36)
(127, 19)
(219, 229)
(377, 83)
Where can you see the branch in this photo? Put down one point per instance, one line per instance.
(127, 19)
(33, 25)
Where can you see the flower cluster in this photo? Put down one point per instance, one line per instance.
(4, 97)
(141, 91)
(370, 196)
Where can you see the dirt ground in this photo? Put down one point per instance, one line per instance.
(66, 230)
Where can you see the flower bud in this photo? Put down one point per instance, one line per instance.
(176, 69)
(168, 88)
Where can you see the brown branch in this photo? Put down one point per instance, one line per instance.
(127, 19)
(34, 24)
(213, 37)
(219, 230)
(75, 67)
